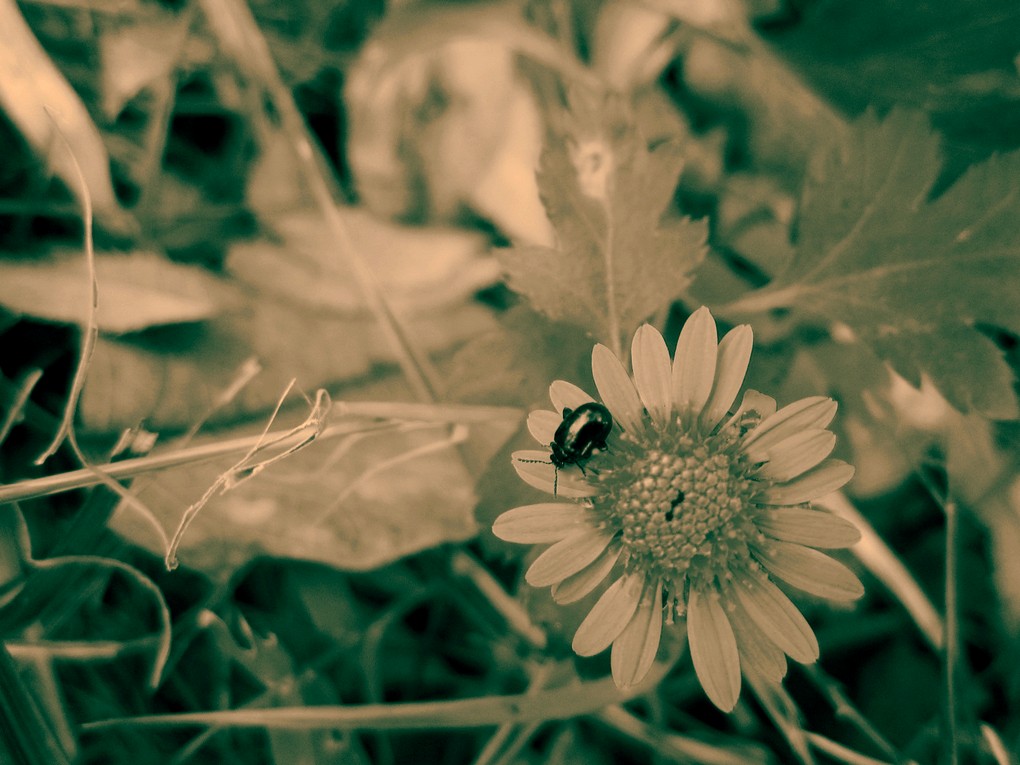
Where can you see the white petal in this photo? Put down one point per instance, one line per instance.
(816, 528)
(542, 425)
(538, 524)
(694, 363)
(757, 652)
(823, 479)
(634, 650)
(652, 373)
(755, 401)
(810, 570)
(811, 412)
(616, 389)
(536, 470)
(713, 649)
(794, 455)
(778, 618)
(565, 395)
(567, 557)
(609, 616)
(576, 586)
(731, 366)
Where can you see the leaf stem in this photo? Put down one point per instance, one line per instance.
(388, 413)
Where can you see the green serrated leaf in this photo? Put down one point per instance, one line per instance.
(956, 61)
(616, 261)
(911, 277)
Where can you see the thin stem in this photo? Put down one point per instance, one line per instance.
(80, 479)
(675, 746)
(952, 634)
(91, 332)
(14, 411)
(885, 565)
(839, 752)
(615, 341)
(162, 610)
(553, 704)
(506, 743)
(464, 564)
(844, 709)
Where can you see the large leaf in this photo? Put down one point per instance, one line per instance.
(616, 260)
(138, 54)
(302, 319)
(355, 502)
(49, 114)
(910, 276)
(136, 291)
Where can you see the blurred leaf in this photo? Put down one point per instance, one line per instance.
(419, 268)
(136, 291)
(781, 119)
(47, 111)
(629, 44)
(982, 476)
(27, 735)
(437, 121)
(301, 320)
(911, 278)
(355, 503)
(171, 385)
(137, 54)
(424, 27)
(615, 262)
(515, 361)
(15, 552)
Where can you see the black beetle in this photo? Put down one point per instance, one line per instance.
(581, 434)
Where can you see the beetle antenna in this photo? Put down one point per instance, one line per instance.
(556, 471)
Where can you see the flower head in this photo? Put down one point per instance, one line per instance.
(690, 511)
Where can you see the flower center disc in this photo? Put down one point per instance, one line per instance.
(680, 510)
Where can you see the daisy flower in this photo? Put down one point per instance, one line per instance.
(690, 511)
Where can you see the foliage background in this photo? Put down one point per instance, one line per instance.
(344, 194)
